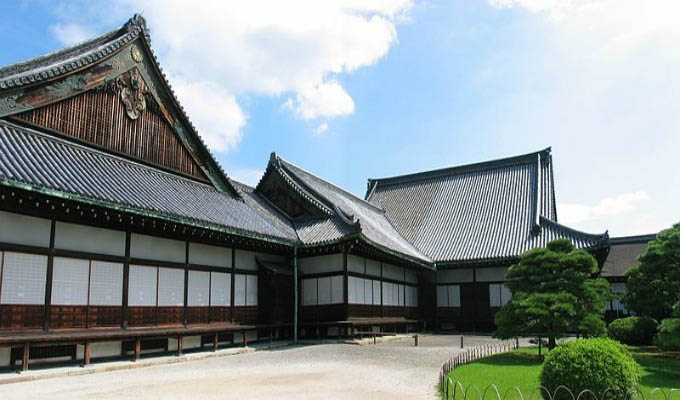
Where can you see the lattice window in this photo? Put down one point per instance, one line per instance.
(199, 289)
(23, 278)
(171, 287)
(142, 286)
(106, 283)
(220, 289)
(70, 281)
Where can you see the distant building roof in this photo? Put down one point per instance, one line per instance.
(478, 212)
(624, 254)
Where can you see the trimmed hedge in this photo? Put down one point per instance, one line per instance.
(597, 365)
(634, 331)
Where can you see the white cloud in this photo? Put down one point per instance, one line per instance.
(321, 129)
(296, 49)
(70, 34)
(621, 205)
(248, 176)
(213, 110)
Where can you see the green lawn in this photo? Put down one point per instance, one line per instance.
(521, 369)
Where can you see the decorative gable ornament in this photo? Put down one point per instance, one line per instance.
(132, 95)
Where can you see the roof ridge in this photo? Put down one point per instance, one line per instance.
(350, 194)
(478, 166)
(72, 58)
(66, 142)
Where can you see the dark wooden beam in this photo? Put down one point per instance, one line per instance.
(126, 281)
(48, 279)
(345, 281)
(233, 285)
(186, 285)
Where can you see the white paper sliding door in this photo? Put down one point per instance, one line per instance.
(143, 285)
(23, 278)
(106, 283)
(70, 281)
(220, 289)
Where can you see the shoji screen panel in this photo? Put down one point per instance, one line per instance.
(106, 294)
(309, 294)
(70, 281)
(22, 297)
(251, 290)
(23, 278)
(239, 290)
(454, 295)
(142, 286)
(106, 283)
(368, 292)
(170, 287)
(220, 289)
(199, 289)
(324, 285)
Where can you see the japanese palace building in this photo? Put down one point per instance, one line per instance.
(118, 225)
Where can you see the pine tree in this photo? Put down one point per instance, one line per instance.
(654, 286)
(555, 290)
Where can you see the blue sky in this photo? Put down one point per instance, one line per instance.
(351, 90)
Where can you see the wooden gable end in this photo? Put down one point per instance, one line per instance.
(122, 104)
(119, 118)
(279, 193)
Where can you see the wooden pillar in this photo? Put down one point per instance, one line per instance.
(48, 280)
(126, 281)
(382, 295)
(345, 282)
(186, 285)
(138, 348)
(87, 353)
(233, 285)
(180, 345)
(24, 358)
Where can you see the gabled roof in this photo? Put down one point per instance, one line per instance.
(76, 69)
(479, 212)
(38, 162)
(346, 214)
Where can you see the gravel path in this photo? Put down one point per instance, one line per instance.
(392, 370)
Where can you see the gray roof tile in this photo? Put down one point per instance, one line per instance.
(352, 215)
(476, 212)
(30, 157)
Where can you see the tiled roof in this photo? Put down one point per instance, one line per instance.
(478, 212)
(28, 157)
(86, 54)
(351, 215)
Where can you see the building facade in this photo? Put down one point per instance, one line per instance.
(116, 218)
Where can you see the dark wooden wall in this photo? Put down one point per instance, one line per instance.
(98, 117)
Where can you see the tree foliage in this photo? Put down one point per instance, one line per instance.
(669, 331)
(555, 290)
(654, 286)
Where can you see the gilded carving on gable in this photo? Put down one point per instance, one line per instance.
(133, 96)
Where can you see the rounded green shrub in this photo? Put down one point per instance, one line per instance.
(634, 331)
(597, 365)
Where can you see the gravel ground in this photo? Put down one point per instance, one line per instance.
(392, 370)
